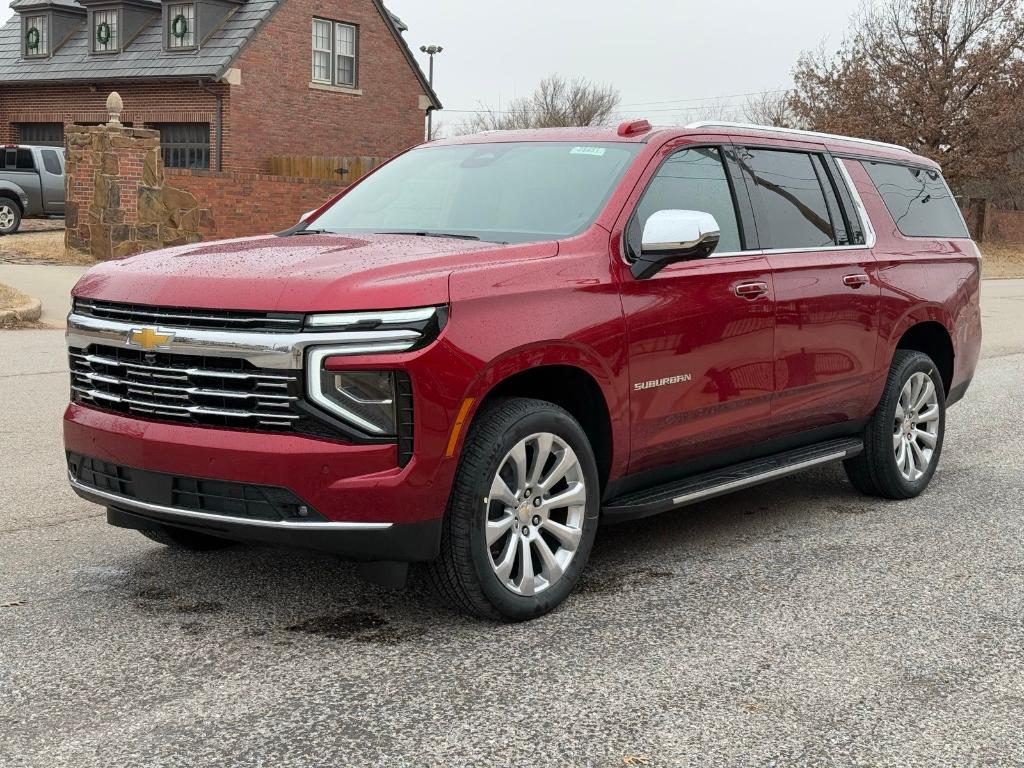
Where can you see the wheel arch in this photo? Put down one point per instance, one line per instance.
(9, 193)
(932, 338)
(571, 378)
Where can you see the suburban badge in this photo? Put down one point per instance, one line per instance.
(681, 379)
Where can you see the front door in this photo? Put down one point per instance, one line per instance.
(826, 289)
(700, 333)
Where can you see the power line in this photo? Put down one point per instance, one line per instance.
(699, 99)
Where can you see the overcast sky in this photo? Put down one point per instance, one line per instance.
(671, 59)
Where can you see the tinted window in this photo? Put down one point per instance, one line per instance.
(691, 180)
(918, 199)
(51, 162)
(789, 202)
(25, 162)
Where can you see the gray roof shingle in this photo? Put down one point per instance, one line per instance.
(144, 57)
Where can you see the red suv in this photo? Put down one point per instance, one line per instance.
(494, 343)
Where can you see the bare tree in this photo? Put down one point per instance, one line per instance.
(944, 77)
(556, 103)
(773, 108)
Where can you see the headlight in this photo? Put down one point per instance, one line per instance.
(365, 399)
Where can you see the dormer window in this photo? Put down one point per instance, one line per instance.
(181, 26)
(37, 35)
(106, 31)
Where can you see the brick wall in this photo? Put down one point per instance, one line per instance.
(143, 103)
(244, 204)
(989, 224)
(275, 111)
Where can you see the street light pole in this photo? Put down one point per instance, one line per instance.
(431, 51)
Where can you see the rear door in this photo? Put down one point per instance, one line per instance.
(826, 286)
(701, 332)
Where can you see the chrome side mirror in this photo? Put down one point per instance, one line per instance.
(673, 236)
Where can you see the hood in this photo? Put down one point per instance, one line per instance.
(298, 273)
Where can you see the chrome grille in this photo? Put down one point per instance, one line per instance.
(216, 392)
(216, 319)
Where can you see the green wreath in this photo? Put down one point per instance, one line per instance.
(179, 27)
(32, 39)
(103, 33)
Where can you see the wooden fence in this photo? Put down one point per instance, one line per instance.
(336, 169)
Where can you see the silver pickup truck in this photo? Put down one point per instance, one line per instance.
(31, 184)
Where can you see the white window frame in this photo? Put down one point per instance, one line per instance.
(98, 17)
(331, 49)
(188, 10)
(42, 23)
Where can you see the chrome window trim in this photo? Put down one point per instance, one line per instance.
(282, 351)
(858, 203)
(125, 502)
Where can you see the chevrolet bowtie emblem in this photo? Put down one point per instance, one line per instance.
(149, 338)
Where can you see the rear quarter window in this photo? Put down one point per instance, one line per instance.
(918, 200)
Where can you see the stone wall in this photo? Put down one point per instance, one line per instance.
(121, 201)
(116, 200)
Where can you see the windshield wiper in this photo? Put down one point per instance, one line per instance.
(431, 234)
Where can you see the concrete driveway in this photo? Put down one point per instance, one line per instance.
(799, 625)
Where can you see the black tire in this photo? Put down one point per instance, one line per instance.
(463, 574)
(874, 471)
(191, 541)
(9, 210)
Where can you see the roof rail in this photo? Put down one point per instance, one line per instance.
(794, 132)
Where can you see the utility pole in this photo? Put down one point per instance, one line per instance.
(431, 51)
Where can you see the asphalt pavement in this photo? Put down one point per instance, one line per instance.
(800, 624)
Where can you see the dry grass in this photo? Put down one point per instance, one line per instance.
(46, 247)
(1002, 259)
(11, 297)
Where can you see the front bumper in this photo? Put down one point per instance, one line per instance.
(144, 500)
(369, 508)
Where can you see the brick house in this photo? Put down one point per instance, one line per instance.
(229, 83)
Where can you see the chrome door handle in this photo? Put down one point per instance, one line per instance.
(855, 281)
(751, 290)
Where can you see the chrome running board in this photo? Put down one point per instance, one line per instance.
(708, 485)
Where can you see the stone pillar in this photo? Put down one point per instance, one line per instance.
(116, 201)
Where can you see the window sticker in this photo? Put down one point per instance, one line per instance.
(593, 151)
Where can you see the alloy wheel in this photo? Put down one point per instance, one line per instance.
(916, 426)
(6, 216)
(535, 513)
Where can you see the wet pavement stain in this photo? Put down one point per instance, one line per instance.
(341, 627)
(154, 593)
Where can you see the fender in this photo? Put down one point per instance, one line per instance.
(10, 189)
(890, 337)
(556, 352)
(922, 313)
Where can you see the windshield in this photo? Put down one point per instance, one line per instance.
(508, 193)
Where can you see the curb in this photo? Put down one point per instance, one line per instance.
(29, 312)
